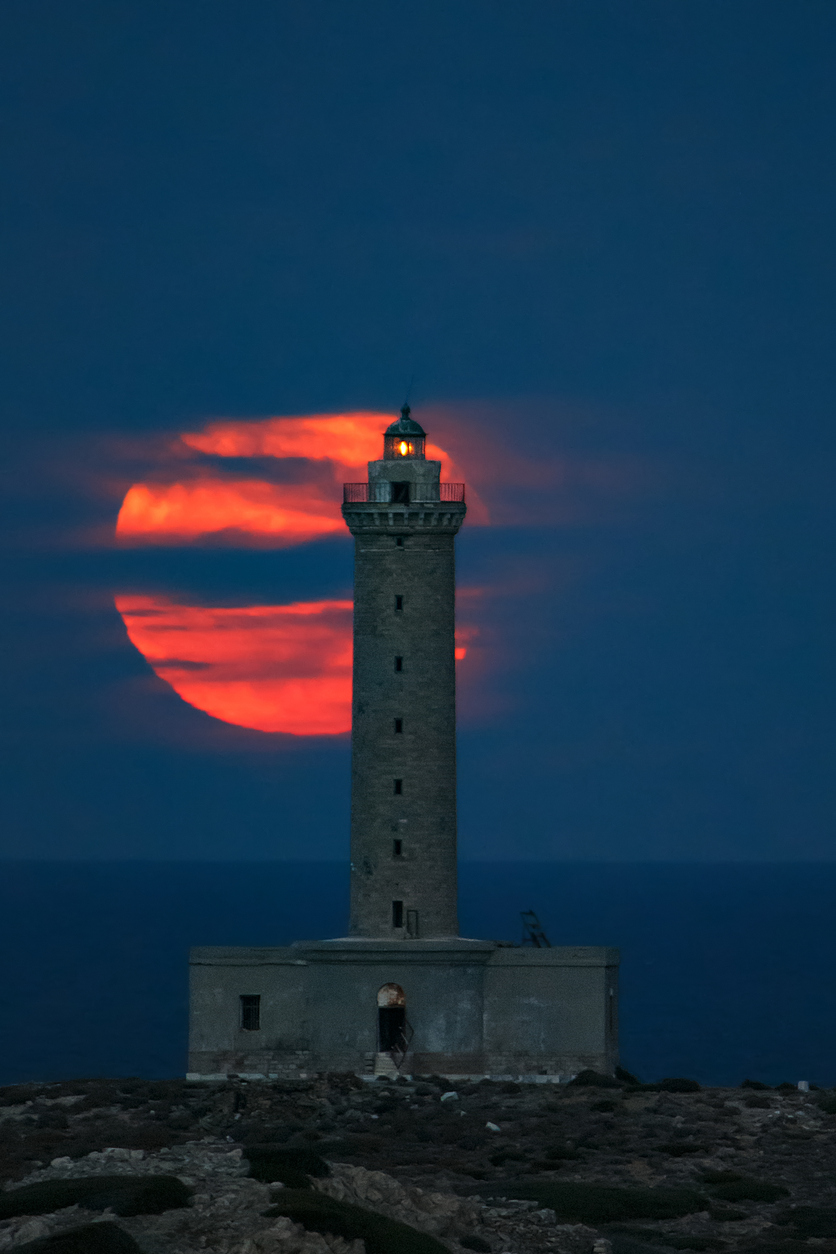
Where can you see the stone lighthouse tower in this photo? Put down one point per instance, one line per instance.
(403, 992)
(403, 806)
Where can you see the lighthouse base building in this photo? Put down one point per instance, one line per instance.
(403, 993)
(445, 1007)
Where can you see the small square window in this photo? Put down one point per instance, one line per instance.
(397, 914)
(398, 726)
(250, 1013)
(398, 787)
(398, 663)
(399, 542)
(397, 848)
(398, 604)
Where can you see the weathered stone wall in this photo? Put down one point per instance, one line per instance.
(473, 1008)
(404, 607)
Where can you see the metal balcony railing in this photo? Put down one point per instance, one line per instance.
(382, 492)
(451, 492)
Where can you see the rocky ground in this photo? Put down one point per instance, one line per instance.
(488, 1166)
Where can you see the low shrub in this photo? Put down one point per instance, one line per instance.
(726, 1214)
(598, 1203)
(503, 1156)
(680, 1149)
(594, 1080)
(673, 1240)
(367, 1143)
(319, 1213)
(626, 1077)
(827, 1105)
(605, 1107)
(810, 1221)
(694, 1243)
(678, 1084)
(753, 1084)
(475, 1243)
(293, 1167)
(100, 1134)
(749, 1191)
(101, 1238)
(561, 1152)
(124, 1195)
(774, 1245)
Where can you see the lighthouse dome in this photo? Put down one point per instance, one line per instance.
(405, 425)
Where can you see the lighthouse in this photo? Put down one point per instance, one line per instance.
(403, 992)
(403, 779)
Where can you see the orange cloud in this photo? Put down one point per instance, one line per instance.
(284, 514)
(338, 446)
(351, 440)
(274, 668)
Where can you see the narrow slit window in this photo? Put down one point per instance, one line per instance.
(397, 914)
(399, 542)
(397, 848)
(398, 663)
(398, 726)
(250, 1012)
(398, 603)
(398, 787)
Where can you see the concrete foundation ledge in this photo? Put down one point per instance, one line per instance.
(218, 1077)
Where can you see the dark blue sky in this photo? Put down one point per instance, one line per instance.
(603, 231)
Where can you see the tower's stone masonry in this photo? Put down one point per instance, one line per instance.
(403, 845)
(403, 991)
(403, 805)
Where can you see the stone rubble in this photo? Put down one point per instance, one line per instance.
(225, 1216)
(398, 1149)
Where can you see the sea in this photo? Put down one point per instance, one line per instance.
(727, 970)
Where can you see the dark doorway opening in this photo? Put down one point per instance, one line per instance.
(391, 1027)
(400, 493)
(393, 1030)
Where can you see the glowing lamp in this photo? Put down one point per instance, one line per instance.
(404, 438)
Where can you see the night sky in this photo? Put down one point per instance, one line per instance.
(599, 239)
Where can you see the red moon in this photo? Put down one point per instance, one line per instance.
(273, 668)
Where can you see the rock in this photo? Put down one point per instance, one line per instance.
(427, 1161)
(439, 1214)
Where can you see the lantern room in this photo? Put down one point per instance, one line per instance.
(404, 439)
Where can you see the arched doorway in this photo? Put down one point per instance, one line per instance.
(391, 1021)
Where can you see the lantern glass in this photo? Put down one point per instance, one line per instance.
(400, 447)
